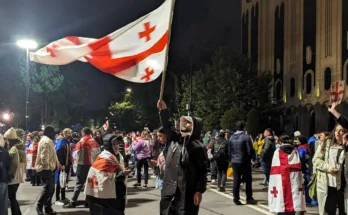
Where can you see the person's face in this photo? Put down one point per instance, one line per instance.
(98, 134)
(68, 134)
(116, 146)
(297, 142)
(321, 136)
(162, 138)
(186, 126)
(209, 134)
(339, 133)
(28, 138)
(266, 133)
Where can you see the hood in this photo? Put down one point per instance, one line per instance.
(237, 134)
(287, 148)
(2, 141)
(197, 127)
(107, 143)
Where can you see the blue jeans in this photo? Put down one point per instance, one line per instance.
(266, 168)
(3, 199)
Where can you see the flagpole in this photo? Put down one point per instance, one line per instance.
(166, 61)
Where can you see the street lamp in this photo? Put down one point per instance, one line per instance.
(27, 44)
(129, 90)
(6, 116)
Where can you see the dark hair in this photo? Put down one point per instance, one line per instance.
(284, 139)
(240, 125)
(270, 130)
(87, 131)
(302, 139)
(160, 130)
(49, 132)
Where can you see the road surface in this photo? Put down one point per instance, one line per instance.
(146, 201)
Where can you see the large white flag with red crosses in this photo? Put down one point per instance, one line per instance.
(136, 52)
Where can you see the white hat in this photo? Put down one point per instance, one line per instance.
(297, 133)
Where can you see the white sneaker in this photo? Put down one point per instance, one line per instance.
(59, 203)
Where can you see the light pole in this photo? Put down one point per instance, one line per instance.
(129, 90)
(27, 44)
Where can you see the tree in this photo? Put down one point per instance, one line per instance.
(231, 117)
(225, 87)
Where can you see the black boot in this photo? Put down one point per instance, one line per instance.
(39, 210)
(50, 211)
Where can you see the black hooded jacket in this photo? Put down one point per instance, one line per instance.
(185, 161)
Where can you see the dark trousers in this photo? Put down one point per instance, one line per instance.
(106, 206)
(179, 204)
(143, 163)
(221, 173)
(334, 198)
(242, 170)
(213, 170)
(61, 190)
(47, 178)
(12, 196)
(81, 174)
(34, 177)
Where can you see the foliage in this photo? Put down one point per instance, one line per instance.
(227, 87)
(231, 117)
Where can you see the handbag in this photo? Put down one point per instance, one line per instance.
(19, 175)
(63, 175)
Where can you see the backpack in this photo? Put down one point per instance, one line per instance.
(220, 155)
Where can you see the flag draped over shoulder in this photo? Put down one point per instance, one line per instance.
(285, 189)
(136, 52)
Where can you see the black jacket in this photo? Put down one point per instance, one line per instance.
(240, 148)
(4, 166)
(185, 160)
(268, 149)
(220, 150)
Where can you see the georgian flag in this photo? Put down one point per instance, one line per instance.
(285, 188)
(136, 52)
(106, 125)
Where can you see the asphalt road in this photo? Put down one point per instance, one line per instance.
(146, 201)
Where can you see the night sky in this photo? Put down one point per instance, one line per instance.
(199, 26)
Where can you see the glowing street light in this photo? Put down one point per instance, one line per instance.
(6, 116)
(27, 44)
(129, 90)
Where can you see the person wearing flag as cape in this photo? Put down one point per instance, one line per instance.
(286, 189)
(185, 171)
(106, 186)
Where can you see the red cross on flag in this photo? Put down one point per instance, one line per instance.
(285, 188)
(136, 52)
(337, 91)
(106, 125)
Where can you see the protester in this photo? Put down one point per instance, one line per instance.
(185, 173)
(4, 176)
(64, 158)
(159, 159)
(328, 162)
(266, 154)
(241, 154)
(285, 192)
(109, 173)
(34, 178)
(87, 150)
(17, 167)
(143, 150)
(45, 165)
(29, 155)
(221, 160)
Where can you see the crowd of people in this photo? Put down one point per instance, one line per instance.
(298, 171)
